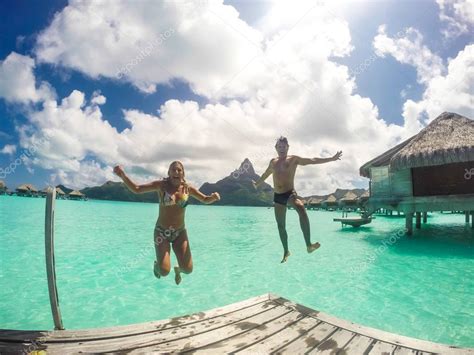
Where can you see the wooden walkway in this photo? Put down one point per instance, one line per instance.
(260, 325)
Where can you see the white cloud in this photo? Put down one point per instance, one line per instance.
(9, 149)
(446, 88)
(87, 173)
(150, 43)
(452, 92)
(458, 15)
(98, 99)
(17, 81)
(407, 48)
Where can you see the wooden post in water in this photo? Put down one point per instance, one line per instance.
(50, 265)
(472, 219)
(418, 220)
(425, 217)
(466, 214)
(409, 222)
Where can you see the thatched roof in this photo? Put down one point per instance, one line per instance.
(76, 193)
(349, 196)
(2, 185)
(314, 200)
(58, 190)
(331, 198)
(447, 139)
(27, 187)
(366, 194)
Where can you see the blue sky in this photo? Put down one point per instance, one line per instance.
(147, 99)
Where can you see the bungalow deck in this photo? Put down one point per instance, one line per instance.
(259, 325)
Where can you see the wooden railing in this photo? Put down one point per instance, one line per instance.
(50, 264)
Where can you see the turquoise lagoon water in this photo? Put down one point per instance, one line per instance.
(421, 287)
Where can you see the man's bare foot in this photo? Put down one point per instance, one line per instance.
(177, 275)
(285, 257)
(313, 247)
(156, 270)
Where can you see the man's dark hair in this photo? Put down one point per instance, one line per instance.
(282, 140)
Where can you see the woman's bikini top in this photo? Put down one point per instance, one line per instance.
(169, 200)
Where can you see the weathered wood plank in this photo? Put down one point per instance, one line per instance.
(15, 348)
(358, 345)
(380, 347)
(127, 330)
(399, 350)
(334, 343)
(377, 334)
(201, 340)
(173, 338)
(281, 338)
(256, 334)
(308, 341)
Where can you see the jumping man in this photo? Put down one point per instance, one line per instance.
(283, 169)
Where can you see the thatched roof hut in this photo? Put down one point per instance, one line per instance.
(447, 139)
(27, 188)
(430, 171)
(350, 198)
(314, 202)
(330, 201)
(60, 192)
(76, 195)
(2, 185)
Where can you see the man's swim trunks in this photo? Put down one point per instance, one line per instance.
(282, 198)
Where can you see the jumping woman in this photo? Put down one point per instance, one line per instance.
(173, 193)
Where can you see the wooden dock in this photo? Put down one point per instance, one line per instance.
(353, 221)
(260, 325)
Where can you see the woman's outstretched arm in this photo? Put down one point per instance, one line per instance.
(137, 189)
(198, 195)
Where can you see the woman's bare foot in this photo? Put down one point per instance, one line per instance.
(313, 247)
(177, 275)
(156, 270)
(285, 257)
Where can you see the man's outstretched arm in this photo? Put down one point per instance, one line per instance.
(265, 175)
(308, 161)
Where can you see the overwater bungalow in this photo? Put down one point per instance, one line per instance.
(27, 190)
(330, 203)
(76, 195)
(3, 188)
(314, 203)
(349, 200)
(362, 199)
(431, 171)
(60, 193)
